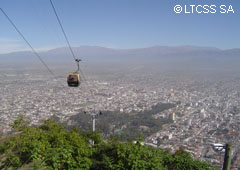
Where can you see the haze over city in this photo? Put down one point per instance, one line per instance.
(171, 76)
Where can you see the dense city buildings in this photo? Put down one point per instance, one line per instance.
(206, 112)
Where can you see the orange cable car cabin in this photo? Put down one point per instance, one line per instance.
(73, 79)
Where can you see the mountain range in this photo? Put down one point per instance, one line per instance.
(153, 54)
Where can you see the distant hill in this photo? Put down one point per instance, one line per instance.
(102, 54)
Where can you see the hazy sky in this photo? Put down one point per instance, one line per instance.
(120, 23)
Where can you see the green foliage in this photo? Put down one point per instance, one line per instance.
(128, 156)
(20, 123)
(93, 136)
(182, 160)
(140, 138)
(50, 143)
(52, 146)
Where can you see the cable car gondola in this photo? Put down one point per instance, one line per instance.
(73, 78)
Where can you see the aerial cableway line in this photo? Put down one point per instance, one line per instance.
(74, 77)
(34, 51)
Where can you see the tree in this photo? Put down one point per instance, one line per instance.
(53, 146)
(20, 123)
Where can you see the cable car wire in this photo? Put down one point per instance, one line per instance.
(55, 12)
(34, 51)
(65, 35)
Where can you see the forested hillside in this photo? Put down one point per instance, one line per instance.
(53, 146)
(127, 124)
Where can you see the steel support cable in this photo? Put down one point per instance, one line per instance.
(55, 12)
(65, 35)
(38, 56)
